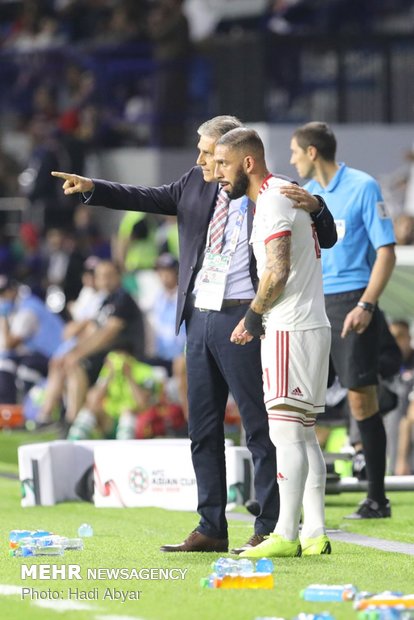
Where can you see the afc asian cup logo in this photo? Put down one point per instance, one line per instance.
(138, 480)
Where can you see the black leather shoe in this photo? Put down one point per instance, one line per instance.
(197, 542)
(253, 541)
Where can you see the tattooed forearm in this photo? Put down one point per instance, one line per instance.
(275, 275)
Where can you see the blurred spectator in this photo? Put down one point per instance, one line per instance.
(34, 28)
(118, 323)
(87, 233)
(135, 252)
(89, 300)
(83, 19)
(404, 229)
(402, 457)
(167, 236)
(63, 262)
(168, 347)
(29, 334)
(44, 103)
(9, 171)
(126, 23)
(168, 30)
(125, 388)
(29, 267)
(47, 154)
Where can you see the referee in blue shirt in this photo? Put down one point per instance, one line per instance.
(355, 272)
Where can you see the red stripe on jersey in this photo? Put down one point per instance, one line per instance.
(284, 233)
(265, 183)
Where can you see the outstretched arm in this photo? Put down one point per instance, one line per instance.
(163, 199)
(74, 184)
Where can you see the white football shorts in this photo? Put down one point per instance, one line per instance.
(295, 368)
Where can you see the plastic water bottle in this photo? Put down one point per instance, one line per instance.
(225, 566)
(264, 565)
(17, 536)
(35, 550)
(390, 613)
(85, 530)
(386, 600)
(50, 541)
(72, 544)
(245, 566)
(323, 592)
(251, 581)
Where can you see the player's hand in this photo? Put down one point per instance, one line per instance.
(301, 198)
(74, 184)
(240, 335)
(356, 321)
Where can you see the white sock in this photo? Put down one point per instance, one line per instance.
(314, 495)
(126, 426)
(83, 426)
(287, 432)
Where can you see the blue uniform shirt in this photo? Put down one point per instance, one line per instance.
(48, 335)
(363, 225)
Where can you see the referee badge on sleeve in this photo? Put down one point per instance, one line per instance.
(382, 211)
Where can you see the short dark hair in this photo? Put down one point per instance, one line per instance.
(218, 126)
(401, 323)
(319, 135)
(244, 139)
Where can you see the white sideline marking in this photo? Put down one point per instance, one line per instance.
(6, 590)
(62, 606)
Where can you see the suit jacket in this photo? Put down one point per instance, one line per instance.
(192, 200)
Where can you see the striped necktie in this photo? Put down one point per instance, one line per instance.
(218, 222)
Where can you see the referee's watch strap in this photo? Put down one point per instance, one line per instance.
(365, 305)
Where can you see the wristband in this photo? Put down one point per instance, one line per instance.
(253, 323)
(322, 205)
(365, 305)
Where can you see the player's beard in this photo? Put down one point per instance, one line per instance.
(240, 185)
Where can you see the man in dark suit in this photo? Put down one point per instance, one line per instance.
(215, 366)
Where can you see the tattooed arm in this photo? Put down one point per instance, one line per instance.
(275, 275)
(271, 286)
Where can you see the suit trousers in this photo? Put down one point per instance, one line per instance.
(216, 366)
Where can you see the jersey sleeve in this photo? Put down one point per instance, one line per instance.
(376, 217)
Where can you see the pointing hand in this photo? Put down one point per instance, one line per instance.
(74, 184)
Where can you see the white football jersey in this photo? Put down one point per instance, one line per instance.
(301, 305)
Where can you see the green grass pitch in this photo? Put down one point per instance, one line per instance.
(130, 538)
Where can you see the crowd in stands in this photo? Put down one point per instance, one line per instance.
(92, 325)
(87, 289)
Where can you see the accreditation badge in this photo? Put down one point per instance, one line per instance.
(212, 283)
